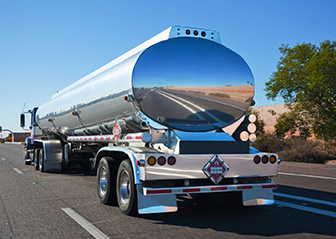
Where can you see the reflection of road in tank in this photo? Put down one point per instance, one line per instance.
(156, 105)
(184, 105)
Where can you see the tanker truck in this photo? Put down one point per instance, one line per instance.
(165, 119)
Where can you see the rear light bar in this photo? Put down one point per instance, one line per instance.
(264, 159)
(161, 160)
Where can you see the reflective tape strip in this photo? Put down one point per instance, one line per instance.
(219, 189)
(269, 186)
(163, 191)
(191, 190)
(205, 189)
(244, 187)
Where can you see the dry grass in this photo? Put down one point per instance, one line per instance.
(296, 149)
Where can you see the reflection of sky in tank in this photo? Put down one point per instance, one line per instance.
(186, 62)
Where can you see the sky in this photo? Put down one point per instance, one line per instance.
(45, 45)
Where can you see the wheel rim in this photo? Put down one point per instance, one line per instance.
(124, 187)
(41, 164)
(103, 180)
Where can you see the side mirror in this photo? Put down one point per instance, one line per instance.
(22, 120)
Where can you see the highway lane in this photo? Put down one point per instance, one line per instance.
(189, 105)
(33, 204)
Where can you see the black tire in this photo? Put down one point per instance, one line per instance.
(41, 164)
(37, 159)
(106, 181)
(126, 189)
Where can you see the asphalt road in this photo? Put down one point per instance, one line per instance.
(188, 105)
(47, 205)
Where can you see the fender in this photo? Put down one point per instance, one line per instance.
(52, 154)
(130, 152)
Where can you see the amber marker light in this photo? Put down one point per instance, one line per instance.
(272, 159)
(151, 160)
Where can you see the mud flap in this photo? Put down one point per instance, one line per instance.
(155, 203)
(257, 197)
(52, 156)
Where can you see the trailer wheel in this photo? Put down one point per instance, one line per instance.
(126, 193)
(106, 181)
(37, 159)
(41, 164)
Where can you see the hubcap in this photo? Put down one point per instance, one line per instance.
(103, 181)
(124, 187)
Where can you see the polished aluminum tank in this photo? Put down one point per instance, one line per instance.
(183, 78)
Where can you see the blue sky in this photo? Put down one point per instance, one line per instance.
(45, 45)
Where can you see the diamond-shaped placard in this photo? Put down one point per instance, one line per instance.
(215, 169)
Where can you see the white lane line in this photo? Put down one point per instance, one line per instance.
(219, 102)
(18, 170)
(184, 106)
(305, 199)
(307, 209)
(95, 232)
(196, 106)
(306, 175)
(3, 159)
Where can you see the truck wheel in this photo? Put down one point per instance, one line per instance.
(41, 164)
(126, 193)
(37, 159)
(106, 181)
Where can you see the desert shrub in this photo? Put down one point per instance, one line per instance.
(294, 149)
(269, 143)
(220, 95)
(300, 150)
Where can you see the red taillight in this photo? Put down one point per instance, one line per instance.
(161, 160)
(195, 32)
(171, 160)
(188, 32)
(257, 159)
(264, 159)
(203, 34)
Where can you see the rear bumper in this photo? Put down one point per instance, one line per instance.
(208, 189)
(162, 200)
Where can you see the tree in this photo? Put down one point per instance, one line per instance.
(306, 75)
(292, 123)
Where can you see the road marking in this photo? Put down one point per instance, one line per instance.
(3, 159)
(183, 105)
(18, 170)
(95, 232)
(307, 209)
(196, 106)
(306, 175)
(219, 102)
(305, 199)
